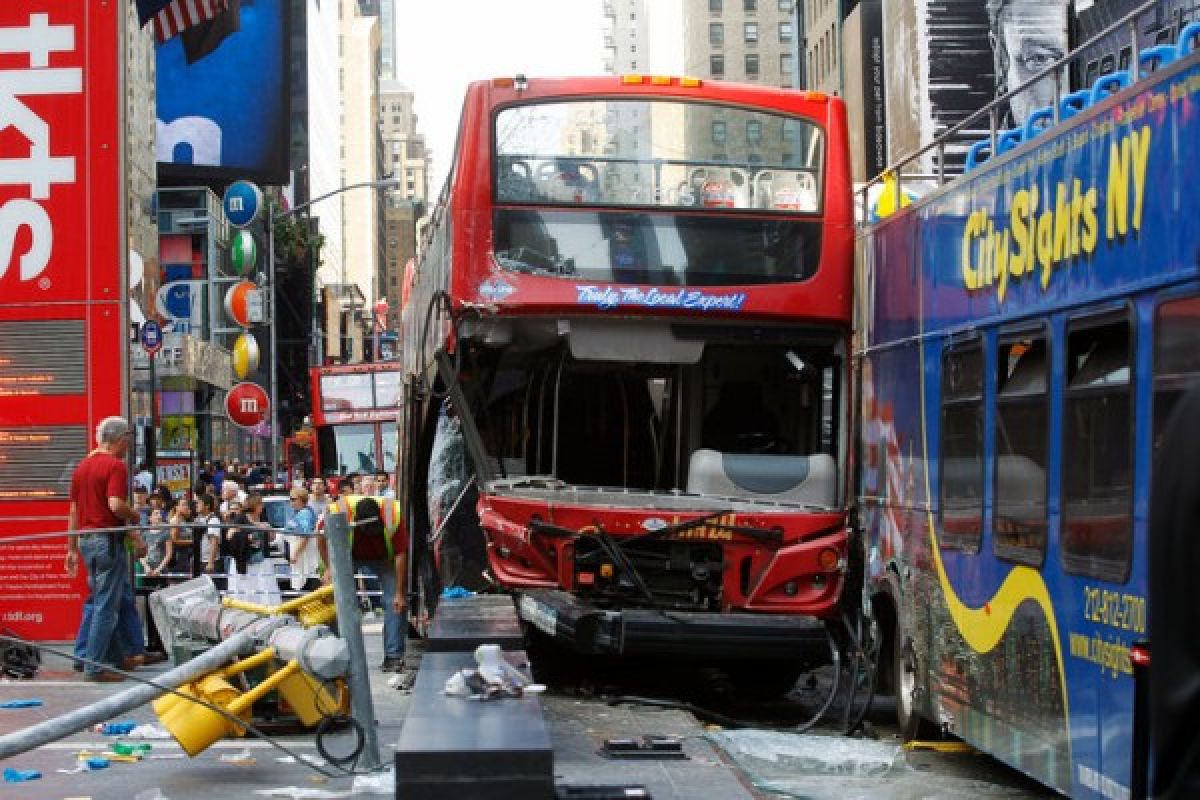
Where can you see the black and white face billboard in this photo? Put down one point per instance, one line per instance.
(948, 58)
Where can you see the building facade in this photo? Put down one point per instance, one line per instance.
(361, 221)
(408, 159)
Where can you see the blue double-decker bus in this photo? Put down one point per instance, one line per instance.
(1025, 330)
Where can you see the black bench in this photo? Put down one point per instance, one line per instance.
(466, 749)
(461, 624)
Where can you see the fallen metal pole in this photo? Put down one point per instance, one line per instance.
(337, 540)
(83, 718)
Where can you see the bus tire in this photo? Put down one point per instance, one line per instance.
(905, 672)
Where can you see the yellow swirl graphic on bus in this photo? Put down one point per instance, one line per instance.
(983, 627)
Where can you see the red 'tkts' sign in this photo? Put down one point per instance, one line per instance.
(63, 339)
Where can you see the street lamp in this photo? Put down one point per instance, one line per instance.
(386, 183)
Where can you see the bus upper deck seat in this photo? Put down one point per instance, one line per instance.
(1157, 57)
(1189, 38)
(1039, 120)
(790, 190)
(785, 479)
(1109, 84)
(978, 153)
(1074, 103)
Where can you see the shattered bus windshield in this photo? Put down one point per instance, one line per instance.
(728, 419)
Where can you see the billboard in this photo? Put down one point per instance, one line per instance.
(948, 58)
(225, 117)
(62, 285)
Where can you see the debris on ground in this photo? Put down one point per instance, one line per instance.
(20, 775)
(301, 793)
(382, 782)
(31, 702)
(242, 758)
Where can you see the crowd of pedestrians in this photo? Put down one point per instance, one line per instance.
(218, 527)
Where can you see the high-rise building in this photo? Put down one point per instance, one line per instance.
(387, 40)
(823, 63)
(626, 36)
(316, 133)
(749, 41)
(350, 294)
(408, 159)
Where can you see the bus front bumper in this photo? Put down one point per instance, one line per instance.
(654, 633)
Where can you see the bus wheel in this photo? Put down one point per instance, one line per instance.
(904, 681)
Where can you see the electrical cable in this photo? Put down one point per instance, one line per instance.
(872, 671)
(334, 722)
(734, 722)
(199, 701)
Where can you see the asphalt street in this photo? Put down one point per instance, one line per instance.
(579, 725)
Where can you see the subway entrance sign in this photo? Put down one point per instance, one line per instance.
(247, 405)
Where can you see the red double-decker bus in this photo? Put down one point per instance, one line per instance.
(354, 412)
(625, 364)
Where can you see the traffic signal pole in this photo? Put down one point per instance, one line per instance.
(274, 355)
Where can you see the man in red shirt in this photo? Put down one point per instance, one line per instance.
(99, 488)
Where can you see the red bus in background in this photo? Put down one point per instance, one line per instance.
(625, 384)
(355, 408)
(63, 292)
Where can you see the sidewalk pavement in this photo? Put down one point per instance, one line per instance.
(247, 767)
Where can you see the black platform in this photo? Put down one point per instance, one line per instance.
(461, 624)
(453, 747)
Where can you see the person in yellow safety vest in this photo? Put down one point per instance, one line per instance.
(379, 545)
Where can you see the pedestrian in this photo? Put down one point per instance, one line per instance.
(259, 534)
(154, 563)
(1175, 648)
(379, 545)
(99, 487)
(218, 478)
(237, 535)
(141, 503)
(159, 550)
(165, 496)
(383, 485)
(143, 479)
(230, 491)
(302, 550)
(209, 529)
(182, 538)
(318, 498)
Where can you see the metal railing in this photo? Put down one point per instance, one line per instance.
(992, 112)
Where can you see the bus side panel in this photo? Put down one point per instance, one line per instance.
(1097, 217)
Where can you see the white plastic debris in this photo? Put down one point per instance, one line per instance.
(382, 782)
(494, 677)
(147, 732)
(150, 794)
(241, 757)
(308, 758)
(302, 793)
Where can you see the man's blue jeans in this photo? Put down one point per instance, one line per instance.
(129, 626)
(107, 566)
(395, 626)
